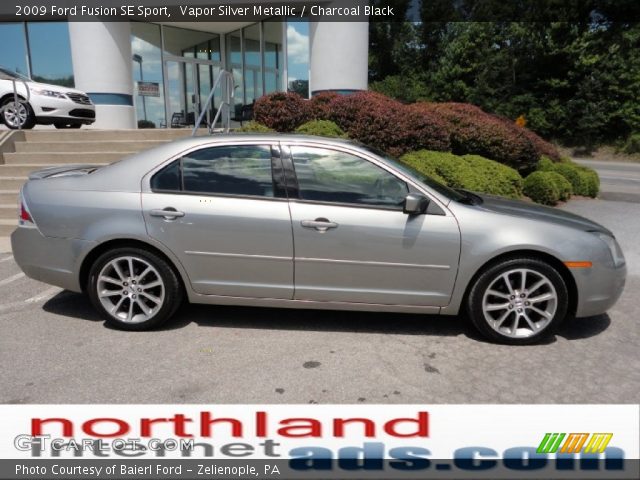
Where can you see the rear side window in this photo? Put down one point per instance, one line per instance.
(231, 170)
(167, 179)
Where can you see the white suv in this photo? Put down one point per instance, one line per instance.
(41, 103)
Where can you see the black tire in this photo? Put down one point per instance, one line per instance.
(29, 122)
(519, 301)
(173, 291)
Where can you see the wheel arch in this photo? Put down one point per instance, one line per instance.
(98, 250)
(557, 264)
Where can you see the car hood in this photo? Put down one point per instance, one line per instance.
(54, 88)
(518, 208)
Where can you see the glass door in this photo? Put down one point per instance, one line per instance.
(189, 82)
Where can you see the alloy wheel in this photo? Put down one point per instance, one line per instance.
(520, 303)
(15, 115)
(130, 289)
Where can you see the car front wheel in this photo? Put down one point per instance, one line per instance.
(17, 115)
(134, 289)
(518, 301)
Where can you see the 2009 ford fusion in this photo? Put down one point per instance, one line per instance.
(306, 222)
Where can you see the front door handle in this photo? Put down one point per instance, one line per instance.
(168, 213)
(320, 224)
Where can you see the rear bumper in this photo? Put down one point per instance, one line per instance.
(599, 288)
(55, 261)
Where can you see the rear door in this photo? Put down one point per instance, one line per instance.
(353, 243)
(222, 213)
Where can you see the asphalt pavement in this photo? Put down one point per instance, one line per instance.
(55, 349)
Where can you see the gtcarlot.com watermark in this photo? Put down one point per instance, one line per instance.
(130, 446)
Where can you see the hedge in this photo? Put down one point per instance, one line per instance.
(321, 128)
(282, 111)
(565, 190)
(584, 181)
(474, 131)
(396, 128)
(542, 187)
(381, 122)
(470, 172)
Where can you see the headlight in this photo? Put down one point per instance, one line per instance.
(47, 93)
(616, 252)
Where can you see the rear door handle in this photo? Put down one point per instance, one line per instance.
(168, 213)
(320, 224)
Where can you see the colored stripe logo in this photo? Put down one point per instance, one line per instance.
(574, 442)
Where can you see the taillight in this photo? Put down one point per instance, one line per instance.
(24, 214)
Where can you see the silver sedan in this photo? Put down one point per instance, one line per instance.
(305, 222)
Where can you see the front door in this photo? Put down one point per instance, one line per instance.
(219, 211)
(352, 241)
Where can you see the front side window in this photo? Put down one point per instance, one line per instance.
(231, 170)
(331, 176)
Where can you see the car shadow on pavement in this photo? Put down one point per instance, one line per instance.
(78, 306)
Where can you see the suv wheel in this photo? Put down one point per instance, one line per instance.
(134, 289)
(518, 301)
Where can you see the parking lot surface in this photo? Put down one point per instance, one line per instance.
(55, 349)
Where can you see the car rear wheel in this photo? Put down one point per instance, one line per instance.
(518, 301)
(17, 115)
(134, 289)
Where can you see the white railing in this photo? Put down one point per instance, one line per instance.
(227, 89)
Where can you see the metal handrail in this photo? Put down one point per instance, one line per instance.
(227, 91)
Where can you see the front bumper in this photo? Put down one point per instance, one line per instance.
(599, 288)
(51, 110)
(55, 261)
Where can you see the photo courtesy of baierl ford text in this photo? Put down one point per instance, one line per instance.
(300, 239)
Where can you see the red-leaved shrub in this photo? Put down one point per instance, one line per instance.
(384, 123)
(473, 131)
(395, 128)
(282, 111)
(320, 105)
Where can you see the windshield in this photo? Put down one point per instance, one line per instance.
(419, 176)
(6, 74)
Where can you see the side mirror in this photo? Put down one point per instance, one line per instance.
(415, 204)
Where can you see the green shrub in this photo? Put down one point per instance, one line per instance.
(470, 172)
(570, 172)
(584, 181)
(146, 124)
(589, 180)
(541, 188)
(565, 190)
(254, 127)
(632, 144)
(321, 128)
(546, 164)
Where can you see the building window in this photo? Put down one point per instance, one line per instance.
(180, 42)
(50, 53)
(273, 35)
(15, 57)
(252, 64)
(298, 57)
(146, 47)
(234, 64)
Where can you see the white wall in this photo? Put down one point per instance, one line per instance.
(101, 53)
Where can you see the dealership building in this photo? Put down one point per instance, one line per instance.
(160, 72)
